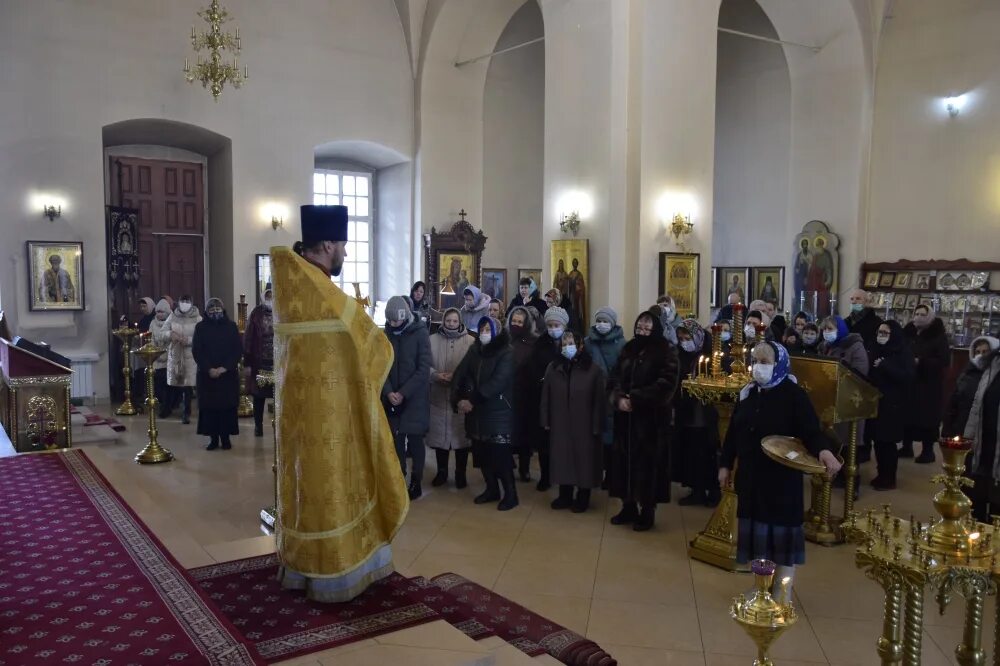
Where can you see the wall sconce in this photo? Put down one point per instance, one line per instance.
(52, 211)
(570, 223)
(681, 226)
(573, 207)
(675, 210)
(275, 212)
(954, 105)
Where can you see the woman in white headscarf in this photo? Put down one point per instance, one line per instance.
(159, 332)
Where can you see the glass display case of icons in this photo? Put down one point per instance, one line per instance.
(964, 294)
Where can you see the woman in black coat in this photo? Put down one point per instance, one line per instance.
(892, 373)
(406, 392)
(641, 389)
(217, 349)
(956, 414)
(527, 296)
(544, 353)
(929, 344)
(481, 389)
(694, 457)
(769, 494)
(525, 432)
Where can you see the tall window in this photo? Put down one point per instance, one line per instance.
(354, 190)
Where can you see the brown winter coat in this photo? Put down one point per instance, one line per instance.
(447, 429)
(572, 410)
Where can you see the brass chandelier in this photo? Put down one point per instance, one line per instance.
(213, 73)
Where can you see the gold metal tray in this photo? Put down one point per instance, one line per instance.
(791, 452)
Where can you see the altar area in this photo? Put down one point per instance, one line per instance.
(637, 594)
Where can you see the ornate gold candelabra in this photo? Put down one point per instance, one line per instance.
(125, 333)
(269, 514)
(738, 349)
(952, 554)
(213, 73)
(246, 403)
(716, 544)
(763, 618)
(153, 451)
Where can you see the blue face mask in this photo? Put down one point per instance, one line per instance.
(688, 345)
(215, 316)
(726, 336)
(569, 351)
(556, 333)
(857, 307)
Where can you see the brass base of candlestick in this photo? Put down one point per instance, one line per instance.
(245, 408)
(126, 408)
(153, 453)
(716, 544)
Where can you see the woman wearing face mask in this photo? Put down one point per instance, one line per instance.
(670, 319)
(523, 338)
(572, 410)
(929, 343)
(956, 414)
(419, 305)
(447, 430)
(547, 350)
(983, 428)
(181, 367)
(527, 296)
(892, 373)
(258, 354)
(641, 389)
(159, 331)
(605, 342)
(799, 321)
(477, 306)
(770, 494)
(754, 319)
(556, 299)
(837, 342)
(810, 339)
(406, 392)
(695, 461)
(792, 341)
(726, 343)
(481, 390)
(217, 349)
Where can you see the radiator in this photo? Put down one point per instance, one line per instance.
(82, 383)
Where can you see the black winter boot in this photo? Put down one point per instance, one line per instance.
(565, 499)
(226, 443)
(414, 490)
(492, 493)
(213, 444)
(441, 477)
(509, 500)
(645, 520)
(627, 515)
(582, 501)
(461, 462)
(524, 466)
(543, 465)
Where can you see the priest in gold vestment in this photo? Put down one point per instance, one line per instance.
(341, 495)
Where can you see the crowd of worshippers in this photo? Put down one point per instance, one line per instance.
(599, 403)
(203, 356)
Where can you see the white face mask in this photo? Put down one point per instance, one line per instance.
(882, 339)
(556, 333)
(184, 307)
(980, 361)
(268, 303)
(486, 338)
(830, 336)
(726, 336)
(688, 345)
(569, 351)
(750, 331)
(809, 338)
(762, 373)
(603, 327)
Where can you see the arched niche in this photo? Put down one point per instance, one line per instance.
(514, 147)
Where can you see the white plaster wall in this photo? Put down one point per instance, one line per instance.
(393, 191)
(513, 147)
(752, 142)
(935, 180)
(327, 70)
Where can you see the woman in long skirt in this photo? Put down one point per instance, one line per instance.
(217, 350)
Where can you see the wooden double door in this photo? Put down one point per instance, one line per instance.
(170, 198)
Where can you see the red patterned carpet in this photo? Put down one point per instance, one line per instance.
(83, 580)
(284, 624)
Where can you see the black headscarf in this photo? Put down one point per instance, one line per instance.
(640, 343)
(896, 339)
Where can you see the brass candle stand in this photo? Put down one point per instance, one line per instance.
(125, 333)
(245, 408)
(763, 618)
(153, 451)
(716, 544)
(951, 554)
(269, 514)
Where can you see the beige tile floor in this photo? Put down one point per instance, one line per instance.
(638, 595)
